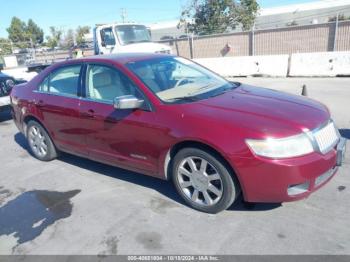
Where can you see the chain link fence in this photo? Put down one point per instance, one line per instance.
(326, 37)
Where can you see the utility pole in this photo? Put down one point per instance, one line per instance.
(253, 40)
(123, 14)
(336, 33)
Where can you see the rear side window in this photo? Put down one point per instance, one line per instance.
(63, 81)
(44, 87)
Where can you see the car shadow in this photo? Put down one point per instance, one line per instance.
(345, 133)
(241, 205)
(161, 186)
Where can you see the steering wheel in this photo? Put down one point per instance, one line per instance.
(179, 82)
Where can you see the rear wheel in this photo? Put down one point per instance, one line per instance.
(203, 180)
(40, 143)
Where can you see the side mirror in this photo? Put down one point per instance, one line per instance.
(127, 102)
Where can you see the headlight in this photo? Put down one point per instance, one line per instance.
(282, 148)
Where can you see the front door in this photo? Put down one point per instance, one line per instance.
(125, 138)
(108, 41)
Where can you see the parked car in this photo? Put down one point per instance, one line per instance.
(183, 36)
(6, 84)
(166, 37)
(170, 118)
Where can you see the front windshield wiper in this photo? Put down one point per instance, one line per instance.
(226, 89)
(232, 86)
(184, 98)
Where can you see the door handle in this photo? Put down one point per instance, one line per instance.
(89, 114)
(39, 103)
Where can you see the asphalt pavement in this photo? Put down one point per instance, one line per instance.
(76, 206)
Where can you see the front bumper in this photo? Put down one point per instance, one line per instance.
(271, 180)
(341, 150)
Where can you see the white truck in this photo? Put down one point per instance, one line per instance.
(125, 38)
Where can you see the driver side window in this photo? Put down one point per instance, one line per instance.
(105, 83)
(107, 36)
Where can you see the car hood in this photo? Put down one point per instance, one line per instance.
(143, 48)
(2, 75)
(264, 111)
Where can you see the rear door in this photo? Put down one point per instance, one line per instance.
(57, 101)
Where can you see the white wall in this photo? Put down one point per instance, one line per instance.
(274, 65)
(320, 64)
(326, 64)
(10, 61)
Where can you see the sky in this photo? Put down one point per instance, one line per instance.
(66, 14)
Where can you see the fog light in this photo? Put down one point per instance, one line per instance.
(324, 177)
(298, 189)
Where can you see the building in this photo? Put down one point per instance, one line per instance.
(276, 17)
(167, 30)
(303, 14)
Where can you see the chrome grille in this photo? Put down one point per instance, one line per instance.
(326, 137)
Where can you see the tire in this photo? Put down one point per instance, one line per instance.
(216, 174)
(40, 143)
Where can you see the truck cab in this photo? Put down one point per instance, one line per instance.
(125, 38)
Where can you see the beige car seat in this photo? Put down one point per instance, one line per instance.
(147, 76)
(106, 85)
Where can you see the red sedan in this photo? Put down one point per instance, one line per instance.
(168, 117)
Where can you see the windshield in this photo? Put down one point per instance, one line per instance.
(175, 79)
(129, 34)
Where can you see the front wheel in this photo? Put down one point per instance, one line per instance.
(40, 143)
(203, 180)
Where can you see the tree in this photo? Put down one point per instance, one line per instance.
(218, 16)
(35, 33)
(5, 47)
(68, 40)
(55, 37)
(22, 34)
(17, 33)
(247, 10)
(341, 17)
(80, 32)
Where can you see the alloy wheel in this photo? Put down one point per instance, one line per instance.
(200, 181)
(37, 141)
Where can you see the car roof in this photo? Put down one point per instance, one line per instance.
(122, 58)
